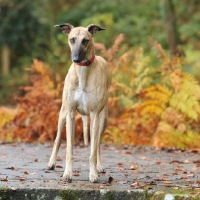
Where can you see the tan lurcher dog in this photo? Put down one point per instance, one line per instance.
(85, 90)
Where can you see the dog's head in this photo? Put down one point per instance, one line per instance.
(80, 40)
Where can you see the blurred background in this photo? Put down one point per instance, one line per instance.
(153, 52)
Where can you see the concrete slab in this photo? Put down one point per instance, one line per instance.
(131, 173)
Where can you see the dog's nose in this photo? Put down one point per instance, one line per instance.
(76, 60)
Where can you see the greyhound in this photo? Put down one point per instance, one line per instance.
(86, 91)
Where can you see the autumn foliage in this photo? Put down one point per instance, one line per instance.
(37, 110)
(153, 105)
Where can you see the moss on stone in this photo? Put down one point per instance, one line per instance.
(109, 195)
(68, 195)
(4, 193)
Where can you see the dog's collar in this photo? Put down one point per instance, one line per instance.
(86, 63)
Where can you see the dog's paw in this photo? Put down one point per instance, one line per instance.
(67, 177)
(100, 169)
(51, 166)
(93, 178)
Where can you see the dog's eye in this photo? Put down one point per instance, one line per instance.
(85, 41)
(72, 40)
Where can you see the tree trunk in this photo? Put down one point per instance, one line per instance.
(168, 14)
(5, 59)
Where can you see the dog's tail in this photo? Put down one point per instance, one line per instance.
(85, 129)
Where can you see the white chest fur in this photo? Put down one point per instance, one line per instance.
(81, 96)
(81, 100)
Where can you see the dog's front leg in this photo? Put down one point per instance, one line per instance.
(94, 145)
(70, 125)
(61, 122)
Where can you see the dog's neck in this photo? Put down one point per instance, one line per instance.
(83, 71)
(82, 74)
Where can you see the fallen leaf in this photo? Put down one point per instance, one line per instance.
(98, 187)
(13, 188)
(138, 185)
(59, 166)
(128, 152)
(107, 184)
(190, 174)
(195, 150)
(197, 161)
(36, 160)
(165, 179)
(62, 182)
(134, 183)
(143, 185)
(134, 167)
(22, 179)
(76, 174)
(175, 161)
(152, 183)
(157, 179)
(195, 185)
(158, 163)
(26, 172)
(179, 168)
(120, 163)
(5, 179)
(167, 182)
(12, 168)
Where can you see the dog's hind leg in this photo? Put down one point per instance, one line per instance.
(102, 127)
(61, 123)
(94, 130)
(85, 129)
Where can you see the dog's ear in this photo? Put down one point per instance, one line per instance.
(92, 28)
(66, 28)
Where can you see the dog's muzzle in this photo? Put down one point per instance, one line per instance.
(86, 63)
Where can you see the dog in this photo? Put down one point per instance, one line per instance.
(86, 91)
